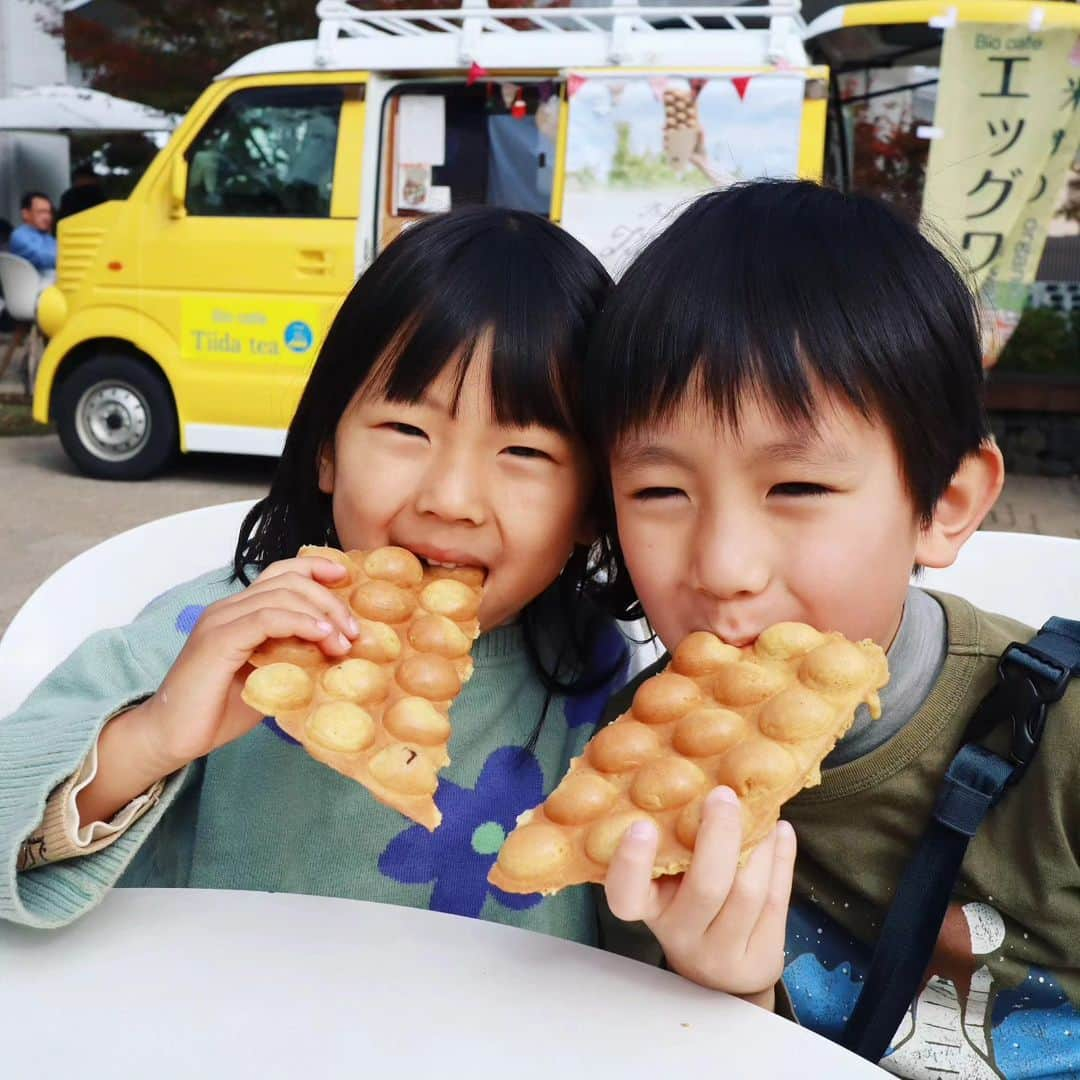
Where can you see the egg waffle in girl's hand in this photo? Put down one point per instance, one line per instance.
(759, 719)
(381, 714)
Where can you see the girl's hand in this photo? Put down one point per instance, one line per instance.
(720, 925)
(198, 707)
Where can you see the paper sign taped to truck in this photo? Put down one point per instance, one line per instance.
(641, 147)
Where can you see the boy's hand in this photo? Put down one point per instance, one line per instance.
(198, 706)
(720, 925)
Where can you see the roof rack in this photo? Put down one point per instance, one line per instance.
(622, 23)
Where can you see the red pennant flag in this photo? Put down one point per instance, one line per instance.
(573, 84)
(741, 82)
(696, 86)
(476, 73)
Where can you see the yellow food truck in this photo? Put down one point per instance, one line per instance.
(188, 316)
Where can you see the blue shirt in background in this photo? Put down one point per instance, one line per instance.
(34, 246)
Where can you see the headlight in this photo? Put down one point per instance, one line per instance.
(52, 310)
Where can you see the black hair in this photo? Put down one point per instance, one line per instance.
(29, 197)
(769, 288)
(479, 274)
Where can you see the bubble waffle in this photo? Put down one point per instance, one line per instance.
(759, 718)
(381, 714)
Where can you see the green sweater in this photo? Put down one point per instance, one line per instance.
(261, 814)
(1003, 987)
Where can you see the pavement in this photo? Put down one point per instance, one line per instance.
(50, 512)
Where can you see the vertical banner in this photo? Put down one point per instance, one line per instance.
(639, 148)
(1005, 129)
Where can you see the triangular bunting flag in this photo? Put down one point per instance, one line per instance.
(573, 84)
(476, 73)
(741, 82)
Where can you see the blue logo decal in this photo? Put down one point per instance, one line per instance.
(298, 337)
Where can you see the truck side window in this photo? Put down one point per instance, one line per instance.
(267, 152)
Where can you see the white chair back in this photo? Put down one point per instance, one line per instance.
(1022, 575)
(21, 284)
(108, 585)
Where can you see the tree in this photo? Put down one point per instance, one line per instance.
(165, 54)
(168, 52)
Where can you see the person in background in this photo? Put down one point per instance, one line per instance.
(6, 321)
(33, 239)
(85, 191)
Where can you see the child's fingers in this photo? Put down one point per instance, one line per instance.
(333, 606)
(772, 921)
(748, 892)
(333, 641)
(284, 597)
(705, 886)
(630, 890)
(238, 639)
(333, 573)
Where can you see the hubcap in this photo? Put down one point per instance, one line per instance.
(112, 420)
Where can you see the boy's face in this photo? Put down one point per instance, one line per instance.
(734, 531)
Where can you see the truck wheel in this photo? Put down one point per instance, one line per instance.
(116, 418)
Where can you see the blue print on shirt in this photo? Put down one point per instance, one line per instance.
(459, 853)
(963, 1023)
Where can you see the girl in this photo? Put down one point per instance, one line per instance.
(443, 416)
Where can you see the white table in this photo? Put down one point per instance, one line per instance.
(231, 984)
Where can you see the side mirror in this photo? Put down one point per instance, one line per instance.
(178, 188)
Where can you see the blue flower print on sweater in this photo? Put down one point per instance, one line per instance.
(188, 617)
(610, 653)
(459, 853)
(185, 623)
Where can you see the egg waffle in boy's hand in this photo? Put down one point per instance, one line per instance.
(759, 719)
(381, 714)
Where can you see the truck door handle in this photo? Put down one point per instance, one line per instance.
(313, 262)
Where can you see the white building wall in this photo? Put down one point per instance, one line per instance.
(29, 56)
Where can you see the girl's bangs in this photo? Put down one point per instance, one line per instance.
(530, 366)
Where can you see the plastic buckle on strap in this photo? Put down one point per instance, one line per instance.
(1021, 696)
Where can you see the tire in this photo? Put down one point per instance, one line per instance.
(116, 418)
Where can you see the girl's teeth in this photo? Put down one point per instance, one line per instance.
(444, 565)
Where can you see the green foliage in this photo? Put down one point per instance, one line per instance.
(1044, 342)
(635, 171)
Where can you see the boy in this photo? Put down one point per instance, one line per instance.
(796, 422)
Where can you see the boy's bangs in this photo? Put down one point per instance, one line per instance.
(779, 293)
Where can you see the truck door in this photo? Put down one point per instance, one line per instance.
(255, 254)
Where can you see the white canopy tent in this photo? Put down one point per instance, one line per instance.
(60, 109)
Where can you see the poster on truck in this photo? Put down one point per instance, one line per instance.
(640, 147)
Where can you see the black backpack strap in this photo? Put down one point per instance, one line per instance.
(1031, 677)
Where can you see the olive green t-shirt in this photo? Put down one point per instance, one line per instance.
(1003, 984)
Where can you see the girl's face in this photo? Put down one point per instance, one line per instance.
(456, 487)
(732, 532)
